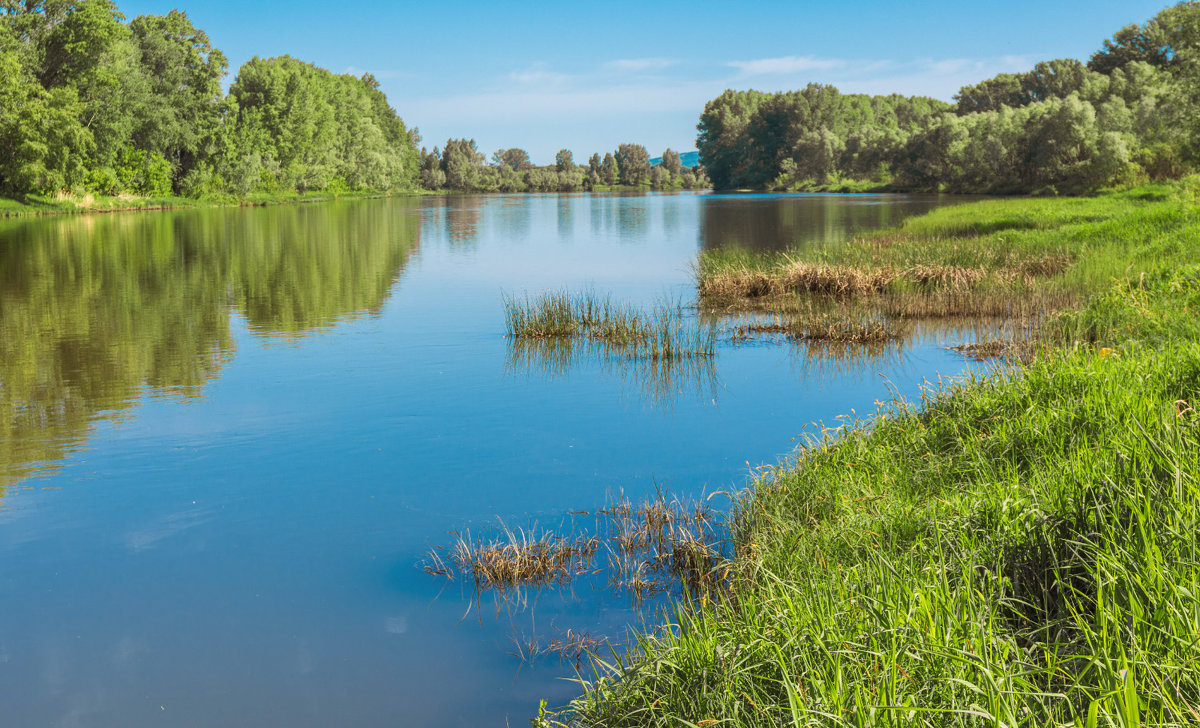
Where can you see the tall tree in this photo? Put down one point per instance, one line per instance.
(185, 100)
(515, 159)
(634, 163)
(671, 162)
(564, 161)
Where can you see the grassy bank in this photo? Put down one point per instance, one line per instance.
(1021, 549)
(78, 204)
(1012, 257)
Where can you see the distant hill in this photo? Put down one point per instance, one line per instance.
(689, 159)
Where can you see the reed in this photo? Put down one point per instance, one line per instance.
(663, 333)
(520, 558)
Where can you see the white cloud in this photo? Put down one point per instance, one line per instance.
(786, 64)
(538, 75)
(640, 64)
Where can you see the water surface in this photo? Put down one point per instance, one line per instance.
(229, 436)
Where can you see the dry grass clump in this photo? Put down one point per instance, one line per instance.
(518, 558)
(1011, 284)
(658, 544)
(1015, 349)
(654, 546)
(841, 281)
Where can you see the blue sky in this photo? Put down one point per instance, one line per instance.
(587, 77)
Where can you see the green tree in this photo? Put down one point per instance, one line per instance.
(185, 101)
(515, 159)
(462, 162)
(634, 163)
(612, 170)
(564, 161)
(671, 162)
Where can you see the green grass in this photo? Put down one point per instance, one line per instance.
(1012, 257)
(1020, 549)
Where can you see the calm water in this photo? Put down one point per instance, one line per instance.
(227, 438)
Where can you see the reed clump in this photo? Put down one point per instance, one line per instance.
(519, 558)
(663, 333)
(653, 547)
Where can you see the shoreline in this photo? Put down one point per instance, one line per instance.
(87, 205)
(939, 564)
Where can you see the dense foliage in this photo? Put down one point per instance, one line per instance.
(460, 166)
(89, 103)
(1128, 115)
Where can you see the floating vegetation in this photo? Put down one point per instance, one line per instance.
(994, 349)
(658, 543)
(664, 333)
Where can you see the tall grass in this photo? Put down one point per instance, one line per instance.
(1010, 258)
(663, 333)
(1017, 549)
(1020, 551)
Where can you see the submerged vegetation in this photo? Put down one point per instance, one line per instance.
(1020, 549)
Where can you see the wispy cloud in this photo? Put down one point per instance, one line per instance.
(656, 101)
(538, 75)
(638, 65)
(786, 64)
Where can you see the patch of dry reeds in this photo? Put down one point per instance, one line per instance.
(653, 547)
(520, 558)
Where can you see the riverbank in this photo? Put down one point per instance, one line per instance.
(1021, 549)
(81, 204)
(33, 205)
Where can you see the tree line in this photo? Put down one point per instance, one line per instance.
(1131, 113)
(91, 103)
(459, 165)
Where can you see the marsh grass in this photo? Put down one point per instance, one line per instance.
(663, 333)
(518, 558)
(648, 548)
(1005, 258)
(663, 354)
